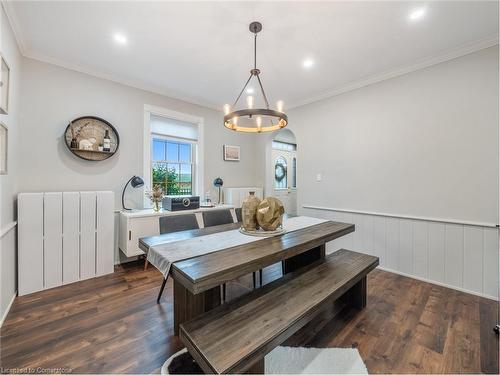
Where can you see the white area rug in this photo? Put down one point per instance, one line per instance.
(288, 360)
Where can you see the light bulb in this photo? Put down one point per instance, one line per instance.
(259, 122)
(250, 101)
(227, 109)
(279, 105)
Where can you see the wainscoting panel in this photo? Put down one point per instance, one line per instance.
(63, 238)
(52, 240)
(460, 256)
(71, 237)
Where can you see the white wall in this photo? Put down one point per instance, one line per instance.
(422, 145)
(8, 183)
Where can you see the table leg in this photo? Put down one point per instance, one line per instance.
(188, 306)
(301, 260)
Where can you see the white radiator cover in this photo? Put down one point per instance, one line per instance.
(64, 237)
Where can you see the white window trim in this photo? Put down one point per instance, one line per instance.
(150, 110)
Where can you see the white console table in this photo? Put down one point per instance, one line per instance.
(136, 224)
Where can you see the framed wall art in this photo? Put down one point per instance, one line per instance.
(4, 86)
(231, 153)
(91, 138)
(4, 144)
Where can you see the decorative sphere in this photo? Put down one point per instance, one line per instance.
(270, 213)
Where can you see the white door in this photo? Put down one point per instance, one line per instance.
(285, 179)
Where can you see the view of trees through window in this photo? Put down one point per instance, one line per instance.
(172, 166)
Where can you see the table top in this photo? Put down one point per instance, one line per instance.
(210, 270)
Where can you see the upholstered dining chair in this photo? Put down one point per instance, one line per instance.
(239, 218)
(174, 223)
(219, 217)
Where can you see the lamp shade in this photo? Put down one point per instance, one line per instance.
(137, 182)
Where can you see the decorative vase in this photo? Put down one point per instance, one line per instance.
(156, 206)
(270, 213)
(249, 211)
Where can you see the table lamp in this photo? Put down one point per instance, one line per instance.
(136, 182)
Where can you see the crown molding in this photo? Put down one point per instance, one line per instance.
(120, 80)
(425, 63)
(10, 12)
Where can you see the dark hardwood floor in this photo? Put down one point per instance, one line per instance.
(112, 324)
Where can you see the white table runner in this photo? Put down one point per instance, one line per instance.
(162, 256)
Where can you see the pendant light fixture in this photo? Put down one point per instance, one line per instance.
(250, 119)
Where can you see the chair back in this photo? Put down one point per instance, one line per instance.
(217, 217)
(177, 223)
(239, 218)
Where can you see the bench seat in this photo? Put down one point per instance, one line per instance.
(235, 337)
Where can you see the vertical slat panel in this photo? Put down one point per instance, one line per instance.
(87, 234)
(357, 240)
(392, 245)
(454, 254)
(420, 248)
(30, 242)
(367, 246)
(436, 251)
(346, 242)
(53, 257)
(473, 259)
(379, 245)
(105, 224)
(71, 237)
(490, 267)
(405, 259)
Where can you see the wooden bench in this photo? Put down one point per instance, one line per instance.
(235, 337)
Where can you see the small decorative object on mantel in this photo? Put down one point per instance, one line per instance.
(269, 217)
(4, 86)
(231, 153)
(91, 138)
(249, 212)
(156, 196)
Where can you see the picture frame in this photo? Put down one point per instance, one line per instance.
(4, 85)
(231, 153)
(4, 144)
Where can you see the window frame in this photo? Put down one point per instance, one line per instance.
(179, 140)
(148, 135)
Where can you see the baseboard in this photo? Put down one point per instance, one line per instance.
(439, 283)
(8, 308)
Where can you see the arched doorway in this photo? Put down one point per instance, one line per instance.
(283, 181)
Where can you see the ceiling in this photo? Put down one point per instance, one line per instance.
(202, 51)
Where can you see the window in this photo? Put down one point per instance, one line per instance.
(280, 173)
(173, 155)
(172, 166)
(284, 146)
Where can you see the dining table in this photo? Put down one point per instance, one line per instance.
(201, 260)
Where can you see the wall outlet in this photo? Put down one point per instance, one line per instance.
(319, 177)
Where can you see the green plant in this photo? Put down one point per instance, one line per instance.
(166, 178)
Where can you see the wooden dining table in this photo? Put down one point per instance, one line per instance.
(197, 280)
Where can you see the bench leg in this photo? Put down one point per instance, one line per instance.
(356, 296)
(145, 264)
(187, 306)
(257, 368)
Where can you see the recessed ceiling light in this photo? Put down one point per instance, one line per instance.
(250, 90)
(416, 14)
(120, 39)
(308, 63)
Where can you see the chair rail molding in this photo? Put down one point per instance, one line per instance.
(456, 254)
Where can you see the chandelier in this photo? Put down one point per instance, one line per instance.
(250, 119)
